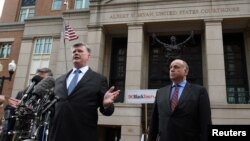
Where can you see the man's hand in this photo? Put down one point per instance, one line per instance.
(110, 96)
(2, 99)
(13, 102)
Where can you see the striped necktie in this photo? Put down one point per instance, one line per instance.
(174, 99)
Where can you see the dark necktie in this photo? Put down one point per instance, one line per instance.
(73, 82)
(174, 100)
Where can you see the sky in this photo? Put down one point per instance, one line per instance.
(1, 6)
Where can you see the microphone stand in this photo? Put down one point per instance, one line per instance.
(53, 102)
(46, 126)
(47, 111)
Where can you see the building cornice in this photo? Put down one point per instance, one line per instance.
(74, 12)
(11, 26)
(230, 106)
(44, 18)
(31, 37)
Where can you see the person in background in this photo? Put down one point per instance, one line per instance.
(2, 100)
(181, 110)
(42, 73)
(81, 91)
(9, 109)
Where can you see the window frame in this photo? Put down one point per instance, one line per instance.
(27, 14)
(40, 59)
(237, 88)
(56, 5)
(84, 4)
(5, 50)
(43, 45)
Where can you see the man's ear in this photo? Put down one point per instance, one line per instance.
(186, 72)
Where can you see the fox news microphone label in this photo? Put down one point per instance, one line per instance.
(241, 132)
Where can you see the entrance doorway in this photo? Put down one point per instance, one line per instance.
(109, 133)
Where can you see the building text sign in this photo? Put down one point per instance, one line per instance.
(171, 12)
(177, 12)
(140, 96)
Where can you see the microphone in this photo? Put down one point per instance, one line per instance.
(41, 89)
(36, 79)
(56, 99)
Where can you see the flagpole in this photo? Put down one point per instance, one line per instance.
(64, 46)
(64, 42)
(70, 35)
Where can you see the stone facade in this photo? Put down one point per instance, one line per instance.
(137, 20)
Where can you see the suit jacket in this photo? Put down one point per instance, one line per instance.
(189, 120)
(76, 116)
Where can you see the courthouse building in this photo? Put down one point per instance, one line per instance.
(120, 34)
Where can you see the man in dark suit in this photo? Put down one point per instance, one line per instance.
(182, 110)
(76, 115)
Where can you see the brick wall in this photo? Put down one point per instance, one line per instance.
(44, 8)
(10, 11)
(7, 88)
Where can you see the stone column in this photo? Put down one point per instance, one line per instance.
(96, 42)
(22, 66)
(134, 75)
(214, 58)
(134, 56)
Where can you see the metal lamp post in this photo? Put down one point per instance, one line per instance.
(11, 69)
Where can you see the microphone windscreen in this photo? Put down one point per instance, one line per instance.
(43, 86)
(36, 79)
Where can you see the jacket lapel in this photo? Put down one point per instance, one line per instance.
(168, 88)
(65, 82)
(185, 93)
(163, 98)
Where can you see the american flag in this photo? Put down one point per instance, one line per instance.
(69, 33)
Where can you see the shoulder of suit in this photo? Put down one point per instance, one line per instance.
(164, 88)
(195, 86)
(61, 78)
(97, 74)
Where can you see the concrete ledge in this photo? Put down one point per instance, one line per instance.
(231, 106)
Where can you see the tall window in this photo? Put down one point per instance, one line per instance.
(56, 5)
(27, 9)
(41, 54)
(5, 49)
(26, 12)
(79, 4)
(28, 2)
(43, 45)
(235, 67)
(118, 65)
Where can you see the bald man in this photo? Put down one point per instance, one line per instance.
(181, 110)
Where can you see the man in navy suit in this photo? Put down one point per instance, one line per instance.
(181, 110)
(76, 116)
